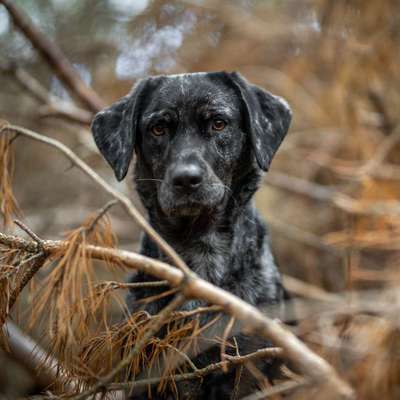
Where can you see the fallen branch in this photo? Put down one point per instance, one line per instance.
(55, 58)
(254, 321)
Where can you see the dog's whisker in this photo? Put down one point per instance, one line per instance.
(148, 179)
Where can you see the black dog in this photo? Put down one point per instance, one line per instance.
(202, 142)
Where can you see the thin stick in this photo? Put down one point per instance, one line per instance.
(114, 285)
(124, 200)
(100, 214)
(26, 229)
(55, 58)
(316, 368)
(281, 388)
(200, 373)
(227, 331)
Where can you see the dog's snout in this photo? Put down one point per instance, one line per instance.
(187, 177)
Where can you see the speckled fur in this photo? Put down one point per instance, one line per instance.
(225, 241)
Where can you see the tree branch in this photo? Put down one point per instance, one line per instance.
(312, 365)
(54, 106)
(55, 58)
(200, 373)
(124, 200)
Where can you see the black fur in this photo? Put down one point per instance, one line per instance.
(197, 182)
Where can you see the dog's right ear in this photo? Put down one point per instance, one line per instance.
(114, 129)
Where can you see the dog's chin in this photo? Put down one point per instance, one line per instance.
(190, 208)
(186, 209)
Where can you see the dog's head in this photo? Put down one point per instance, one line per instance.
(194, 135)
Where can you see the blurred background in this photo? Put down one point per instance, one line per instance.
(331, 197)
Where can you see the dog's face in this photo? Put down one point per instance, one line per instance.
(193, 135)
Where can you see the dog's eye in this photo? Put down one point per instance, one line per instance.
(159, 130)
(218, 124)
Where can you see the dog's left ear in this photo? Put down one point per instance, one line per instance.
(114, 130)
(267, 118)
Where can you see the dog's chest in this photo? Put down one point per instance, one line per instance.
(208, 256)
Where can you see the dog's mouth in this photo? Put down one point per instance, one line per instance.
(204, 200)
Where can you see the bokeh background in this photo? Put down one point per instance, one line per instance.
(331, 196)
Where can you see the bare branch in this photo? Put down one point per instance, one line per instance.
(55, 58)
(231, 361)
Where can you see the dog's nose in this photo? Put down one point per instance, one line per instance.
(187, 177)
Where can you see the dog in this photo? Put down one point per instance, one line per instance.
(202, 142)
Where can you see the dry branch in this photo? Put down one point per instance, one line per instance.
(231, 361)
(128, 205)
(55, 58)
(313, 366)
(29, 353)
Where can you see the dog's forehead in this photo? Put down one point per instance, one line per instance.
(194, 89)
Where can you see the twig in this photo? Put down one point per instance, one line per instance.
(281, 388)
(307, 290)
(124, 200)
(253, 319)
(378, 101)
(184, 356)
(200, 373)
(337, 199)
(294, 233)
(32, 234)
(55, 58)
(100, 214)
(114, 285)
(225, 336)
(199, 310)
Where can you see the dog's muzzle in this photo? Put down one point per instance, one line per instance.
(190, 188)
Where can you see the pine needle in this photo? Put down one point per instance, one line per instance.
(8, 204)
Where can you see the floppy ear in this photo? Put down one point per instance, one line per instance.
(114, 130)
(267, 118)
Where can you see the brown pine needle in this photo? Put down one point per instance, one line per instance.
(8, 204)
